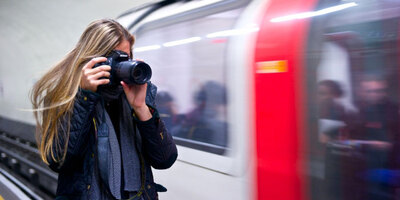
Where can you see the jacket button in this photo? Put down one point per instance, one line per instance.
(92, 155)
(148, 186)
(88, 187)
(85, 98)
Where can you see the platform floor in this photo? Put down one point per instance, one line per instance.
(8, 191)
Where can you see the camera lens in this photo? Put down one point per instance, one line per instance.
(134, 72)
(137, 73)
(141, 73)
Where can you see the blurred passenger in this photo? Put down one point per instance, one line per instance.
(331, 113)
(331, 118)
(88, 134)
(377, 123)
(206, 122)
(371, 136)
(375, 133)
(166, 108)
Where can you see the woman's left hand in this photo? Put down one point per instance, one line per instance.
(136, 95)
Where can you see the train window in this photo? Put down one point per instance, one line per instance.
(188, 65)
(354, 82)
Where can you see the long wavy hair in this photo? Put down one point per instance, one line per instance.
(54, 94)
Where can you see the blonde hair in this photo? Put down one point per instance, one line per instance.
(53, 95)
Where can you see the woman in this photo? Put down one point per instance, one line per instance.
(101, 139)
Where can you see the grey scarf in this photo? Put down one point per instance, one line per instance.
(119, 163)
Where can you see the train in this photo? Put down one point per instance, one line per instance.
(269, 99)
(240, 90)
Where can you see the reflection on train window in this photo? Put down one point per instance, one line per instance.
(354, 83)
(188, 65)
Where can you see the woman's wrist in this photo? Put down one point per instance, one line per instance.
(143, 113)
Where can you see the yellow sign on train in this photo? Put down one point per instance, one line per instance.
(276, 66)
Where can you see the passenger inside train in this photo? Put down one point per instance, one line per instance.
(205, 123)
(166, 108)
(369, 144)
(332, 113)
(377, 122)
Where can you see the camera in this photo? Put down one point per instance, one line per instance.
(125, 69)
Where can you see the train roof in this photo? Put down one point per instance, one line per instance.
(177, 9)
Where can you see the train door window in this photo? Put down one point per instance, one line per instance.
(353, 79)
(188, 62)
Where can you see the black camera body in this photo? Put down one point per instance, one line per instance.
(125, 69)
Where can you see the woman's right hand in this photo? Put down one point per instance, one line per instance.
(91, 77)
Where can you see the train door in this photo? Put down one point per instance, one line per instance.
(352, 95)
